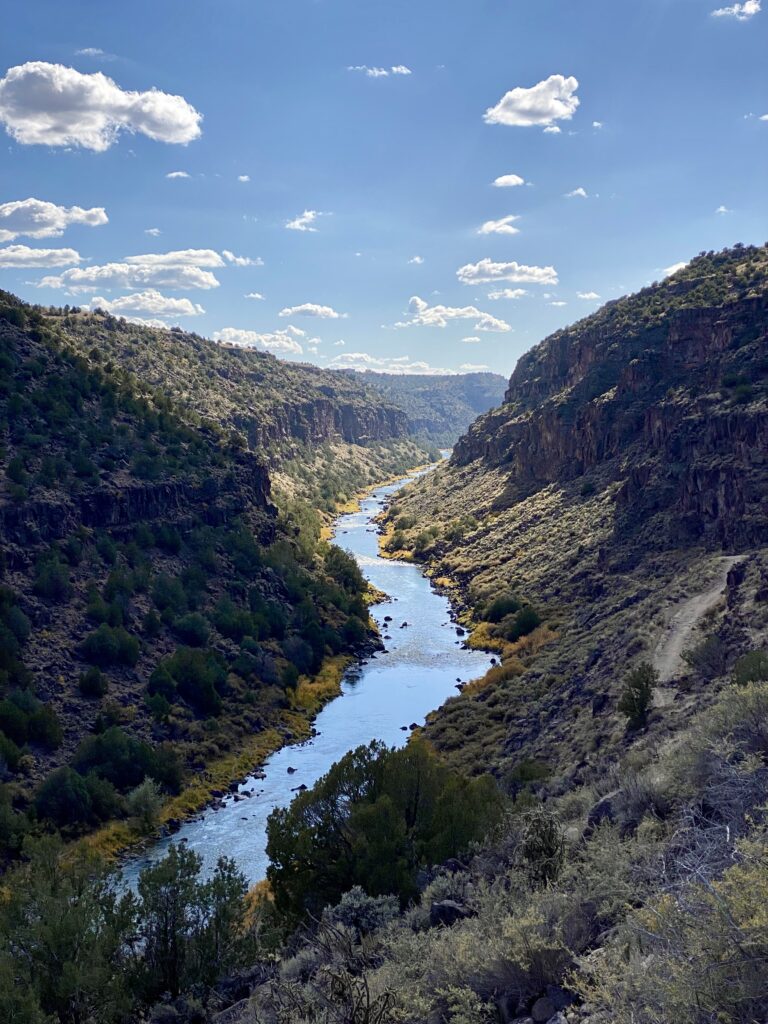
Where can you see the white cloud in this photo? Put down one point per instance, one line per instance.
(552, 129)
(509, 181)
(286, 341)
(554, 99)
(24, 256)
(340, 343)
(470, 341)
(488, 272)
(131, 275)
(374, 72)
(417, 260)
(500, 227)
(53, 105)
(154, 232)
(312, 309)
(472, 367)
(36, 218)
(589, 296)
(507, 293)
(558, 302)
(741, 11)
(577, 193)
(91, 51)
(597, 125)
(242, 261)
(147, 322)
(243, 178)
(151, 302)
(393, 364)
(178, 258)
(424, 315)
(669, 271)
(254, 295)
(304, 222)
(177, 174)
(723, 210)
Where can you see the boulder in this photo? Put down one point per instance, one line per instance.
(542, 1010)
(447, 913)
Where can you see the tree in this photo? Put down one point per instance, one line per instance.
(144, 804)
(637, 693)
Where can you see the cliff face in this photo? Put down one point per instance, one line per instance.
(673, 409)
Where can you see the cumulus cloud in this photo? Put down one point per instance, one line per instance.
(36, 218)
(417, 260)
(151, 302)
(470, 341)
(53, 105)
(554, 99)
(177, 174)
(552, 129)
(285, 341)
(24, 256)
(242, 261)
(244, 178)
(597, 125)
(488, 272)
(507, 293)
(558, 302)
(340, 343)
(312, 309)
(669, 271)
(178, 258)
(472, 367)
(154, 232)
(374, 72)
(577, 193)
(723, 210)
(509, 181)
(590, 296)
(304, 222)
(742, 11)
(254, 295)
(131, 275)
(424, 315)
(389, 364)
(505, 226)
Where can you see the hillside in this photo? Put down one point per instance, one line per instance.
(628, 459)
(439, 408)
(325, 435)
(156, 613)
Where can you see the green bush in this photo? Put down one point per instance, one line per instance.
(196, 676)
(637, 693)
(93, 683)
(751, 668)
(110, 645)
(501, 607)
(52, 579)
(192, 629)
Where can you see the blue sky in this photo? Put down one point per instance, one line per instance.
(658, 105)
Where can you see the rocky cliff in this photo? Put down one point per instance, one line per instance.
(669, 400)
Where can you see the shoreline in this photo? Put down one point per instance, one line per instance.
(117, 841)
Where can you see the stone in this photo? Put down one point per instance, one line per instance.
(447, 913)
(542, 1010)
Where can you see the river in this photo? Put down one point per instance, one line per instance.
(418, 672)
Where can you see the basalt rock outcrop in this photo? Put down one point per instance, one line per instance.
(663, 393)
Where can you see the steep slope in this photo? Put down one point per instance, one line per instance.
(155, 611)
(291, 414)
(439, 408)
(630, 453)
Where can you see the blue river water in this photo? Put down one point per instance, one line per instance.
(419, 672)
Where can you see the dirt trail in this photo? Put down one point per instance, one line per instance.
(667, 657)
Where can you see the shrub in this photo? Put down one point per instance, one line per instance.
(144, 804)
(708, 658)
(93, 683)
(195, 675)
(543, 846)
(192, 629)
(110, 645)
(751, 668)
(501, 607)
(637, 693)
(52, 579)
(515, 627)
(63, 798)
